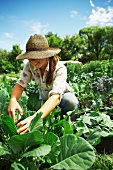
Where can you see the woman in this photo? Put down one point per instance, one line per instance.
(50, 75)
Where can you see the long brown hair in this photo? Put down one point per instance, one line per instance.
(52, 65)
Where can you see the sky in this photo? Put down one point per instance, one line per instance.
(19, 19)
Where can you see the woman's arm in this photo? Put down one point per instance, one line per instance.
(49, 105)
(46, 109)
(17, 91)
(13, 104)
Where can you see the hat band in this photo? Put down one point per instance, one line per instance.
(34, 49)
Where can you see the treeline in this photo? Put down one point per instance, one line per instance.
(90, 44)
(8, 63)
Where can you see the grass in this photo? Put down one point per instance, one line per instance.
(103, 162)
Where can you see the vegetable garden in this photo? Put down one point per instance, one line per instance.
(57, 142)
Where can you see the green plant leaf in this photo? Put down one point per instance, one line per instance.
(81, 127)
(92, 118)
(3, 149)
(95, 136)
(40, 151)
(33, 102)
(19, 143)
(53, 140)
(36, 123)
(17, 166)
(76, 153)
(9, 126)
(107, 122)
(50, 138)
(67, 127)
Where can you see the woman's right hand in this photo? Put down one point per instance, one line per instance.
(13, 106)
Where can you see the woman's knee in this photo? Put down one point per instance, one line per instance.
(73, 104)
(69, 102)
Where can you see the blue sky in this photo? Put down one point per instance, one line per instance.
(21, 18)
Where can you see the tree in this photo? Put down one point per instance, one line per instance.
(5, 66)
(109, 43)
(12, 58)
(54, 40)
(8, 62)
(69, 48)
(96, 41)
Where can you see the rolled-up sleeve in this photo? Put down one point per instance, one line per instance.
(59, 82)
(25, 76)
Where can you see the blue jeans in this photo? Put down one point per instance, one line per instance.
(69, 102)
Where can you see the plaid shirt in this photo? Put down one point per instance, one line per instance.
(58, 85)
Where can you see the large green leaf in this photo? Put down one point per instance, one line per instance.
(21, 142)
(9, 126)
(50, 138)
(3, 149)
(76, 153)
(40, 151)
(53, 140)
(36, 123)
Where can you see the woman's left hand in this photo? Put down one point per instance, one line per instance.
(24, 125)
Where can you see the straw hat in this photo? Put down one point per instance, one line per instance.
(37, 48)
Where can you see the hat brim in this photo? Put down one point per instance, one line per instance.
(38, 54)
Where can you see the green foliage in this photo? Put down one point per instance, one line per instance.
(36, 124)
(56, 142)
(91, 44)
(103, 162)
(91, 83)
(96, 43)
(8, 60)
(100, 67)
(71, 157)
(9, 126)
(4, 96)
(54, 40)
(44, 149)
(94, 125)
(40, 147)
(33, 102)
(12, 58)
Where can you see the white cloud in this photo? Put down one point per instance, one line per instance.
(109, 1)
(91, 3)
(8, 35)
(36, 26)
(73, 14)
(101, 16)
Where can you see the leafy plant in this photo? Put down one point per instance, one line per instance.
(38, 150)
(94, 126)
